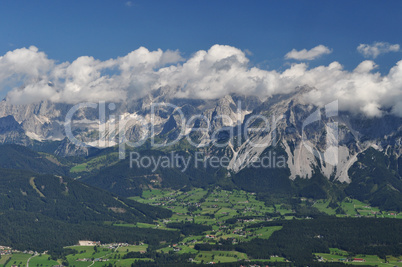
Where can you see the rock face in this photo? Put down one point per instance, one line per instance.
(12, 132)
(40, 121)
(244, 127)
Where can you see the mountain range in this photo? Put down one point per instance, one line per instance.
(54, 183)
(42, 123)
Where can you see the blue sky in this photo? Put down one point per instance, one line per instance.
(65, 30)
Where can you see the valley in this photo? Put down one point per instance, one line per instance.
(192, 217)
(215, 226)
(193, 133)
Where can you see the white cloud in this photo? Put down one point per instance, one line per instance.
(85, 79)
(311, 54)
(210, 74)
(24, 63)
(365, 66)
(377, 48)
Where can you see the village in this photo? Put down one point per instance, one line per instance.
(86, 251)
(229, 216)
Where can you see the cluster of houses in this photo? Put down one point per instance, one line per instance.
(116, 245)
(5, 250)
(352, 260)
(98, 243)
(96, 260)
(240, 232)
(176, 247)
(321, 259)
(89, 243)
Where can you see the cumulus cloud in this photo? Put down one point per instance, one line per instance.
(207, 74)
(377, 48)
(84, 79)
(24, 64)
(311, 54)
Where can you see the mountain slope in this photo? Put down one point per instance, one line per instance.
(304, 133)
(68, 200)
(376, 179)
(32, 231)
(42, 209)
(127, 179)
(22, 158)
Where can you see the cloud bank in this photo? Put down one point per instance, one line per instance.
(376, 49)
(210, 74)
(311, 54)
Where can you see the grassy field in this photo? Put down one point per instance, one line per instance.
(219, 256)
(229, 213)
(160, 226)
(133, 248)
(266, 232)
(272, 259)
(128, 262)
(107, 254)
(218, 205)
(42, 260)
(214, 207)
(369, 259)
(4, 258)
(96, 163)
(353, 207)
(19, 259)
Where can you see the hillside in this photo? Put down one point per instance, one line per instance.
(65, 199)
(22, 158)
(123, 180)
(44, 211)
(375, 179)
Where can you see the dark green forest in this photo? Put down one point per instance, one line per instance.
(41, 208)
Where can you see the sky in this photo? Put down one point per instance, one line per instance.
(106, 29)
(263, 39)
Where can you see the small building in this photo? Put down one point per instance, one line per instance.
(88, 243)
